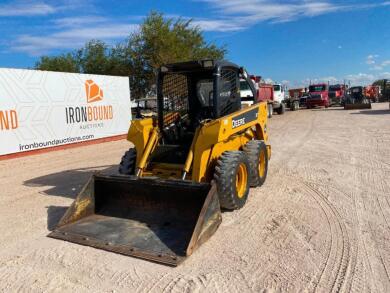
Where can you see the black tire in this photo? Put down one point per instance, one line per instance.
(296, 103)
(293, 106)
(281, 109)
(270, 109)
(257, 154)
(226, 175)
(128, 162)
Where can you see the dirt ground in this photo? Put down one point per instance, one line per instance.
(320, 223)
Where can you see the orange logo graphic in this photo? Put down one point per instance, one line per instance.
(8, 120)
(94, 92)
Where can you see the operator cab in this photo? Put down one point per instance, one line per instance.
(190, 93)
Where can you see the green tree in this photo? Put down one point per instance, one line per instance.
(378, 82)
(65, 62)
(158, 41)
(165, 40)
(385, 87)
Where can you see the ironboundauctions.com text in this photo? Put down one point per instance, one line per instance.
(54, 142)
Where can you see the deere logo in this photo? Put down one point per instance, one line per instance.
(93, 91)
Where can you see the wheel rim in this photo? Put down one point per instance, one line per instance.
(262, 163)
(241, 180)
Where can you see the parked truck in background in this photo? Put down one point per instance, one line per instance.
(265, 93)
(318, 96)
(296, 98)
(278, 100)
(247, 98)
(273, 94)
(337, 94)
(372, 92)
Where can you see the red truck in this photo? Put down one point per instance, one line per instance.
(318, 96)
(372, 92)
(337, 94)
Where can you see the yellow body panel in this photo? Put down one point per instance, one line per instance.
(139, 134)
(211, 139)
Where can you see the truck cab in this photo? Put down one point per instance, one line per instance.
(279, 97)
(246, 94)
(318, 96)
(336, 94)
(372, 92)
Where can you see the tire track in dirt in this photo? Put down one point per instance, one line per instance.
(385, 218)
(379, 179)
(305, 134)
(368, 283)
(373, 234)
(354, 247)
(333, 275)
(362, 285)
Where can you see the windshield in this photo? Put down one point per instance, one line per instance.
(244, 86)
(276, 88)
(317, 88)
(356, 90)
(335, 88)
(204, 89)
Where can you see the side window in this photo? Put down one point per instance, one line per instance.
(204, 90)
(228, 83)
(175, 97)
(229, 95)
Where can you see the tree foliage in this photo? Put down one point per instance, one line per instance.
(65, 62)
(381, 83)
(159, 40)
(385, 87)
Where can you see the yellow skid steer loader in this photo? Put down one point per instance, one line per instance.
(200, 154)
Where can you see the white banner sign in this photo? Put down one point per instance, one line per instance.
(40, 109)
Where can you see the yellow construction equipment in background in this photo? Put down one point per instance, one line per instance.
(200, 154)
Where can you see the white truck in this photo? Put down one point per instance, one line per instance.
(246, 94)
(273, 94)
(279, 97)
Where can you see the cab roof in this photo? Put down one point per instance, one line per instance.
(197, 65)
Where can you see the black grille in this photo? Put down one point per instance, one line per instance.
(228, 90)
(315, 97)
(175, 97)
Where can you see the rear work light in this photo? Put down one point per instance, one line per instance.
(208, 63)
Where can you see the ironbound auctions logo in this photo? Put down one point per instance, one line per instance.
(8, 120)
(89, 113)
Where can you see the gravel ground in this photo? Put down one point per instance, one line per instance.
(320, 223)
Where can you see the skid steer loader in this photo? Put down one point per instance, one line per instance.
(356, 99)
(199, 155)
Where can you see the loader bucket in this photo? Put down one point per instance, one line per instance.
(159, 220)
